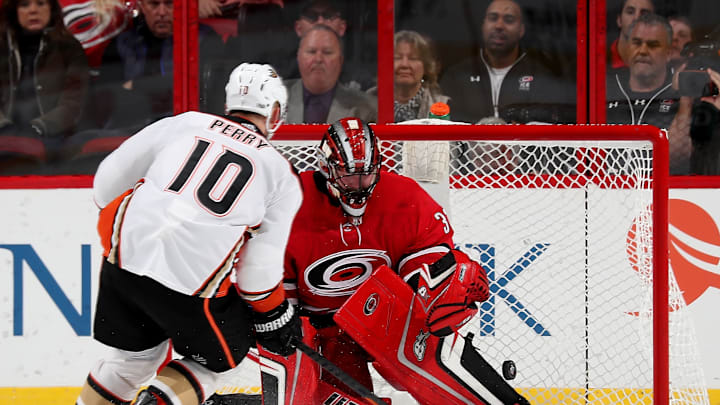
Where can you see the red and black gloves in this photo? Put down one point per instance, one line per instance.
(449, 289)
(277, 329)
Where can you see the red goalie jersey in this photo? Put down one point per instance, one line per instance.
(328, 257)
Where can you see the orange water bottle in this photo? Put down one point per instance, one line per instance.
(440, 111)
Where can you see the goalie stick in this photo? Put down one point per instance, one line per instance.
(336, 371)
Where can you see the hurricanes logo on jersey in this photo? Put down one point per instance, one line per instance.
(340, 274)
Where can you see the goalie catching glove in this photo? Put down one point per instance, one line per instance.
(448, 290)
(277, 329)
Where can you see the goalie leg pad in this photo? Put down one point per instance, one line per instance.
(296, 379)
(432, 369)
(289, 379)
(342, 350)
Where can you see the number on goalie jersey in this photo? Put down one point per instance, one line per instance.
(353, 220)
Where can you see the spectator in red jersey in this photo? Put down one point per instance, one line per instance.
(95, 22)
(136, 76)
(43, 71)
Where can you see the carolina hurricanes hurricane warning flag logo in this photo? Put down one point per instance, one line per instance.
(341, 273)
(693, 246)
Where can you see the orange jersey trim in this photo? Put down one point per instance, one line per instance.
(107, 220)
(265, 301)
(219, 282)
(110, 222)
(218, 333)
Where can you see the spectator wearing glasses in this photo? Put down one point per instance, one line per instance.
(96, 22)
(359, 71)
(137, 67)
(320, 12)
(269, 33)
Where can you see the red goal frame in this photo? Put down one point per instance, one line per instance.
(660, 182)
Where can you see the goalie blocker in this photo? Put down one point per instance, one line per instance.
(431, 368)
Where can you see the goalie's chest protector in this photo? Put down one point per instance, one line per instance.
(330, 258)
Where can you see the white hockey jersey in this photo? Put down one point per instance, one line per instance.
(190, 189)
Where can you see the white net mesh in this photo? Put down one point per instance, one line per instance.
(564, 229)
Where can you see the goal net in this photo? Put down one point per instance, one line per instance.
(570, 223)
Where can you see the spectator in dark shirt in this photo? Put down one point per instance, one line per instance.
(43, 71)
(644, 93)
(502, 80)
(137, 67)
(318, 96)
(269, 33)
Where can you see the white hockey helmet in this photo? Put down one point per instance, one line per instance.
(256, 88)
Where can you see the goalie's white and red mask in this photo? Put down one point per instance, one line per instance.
(349, 157)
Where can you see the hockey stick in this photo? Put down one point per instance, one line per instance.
(341, 375)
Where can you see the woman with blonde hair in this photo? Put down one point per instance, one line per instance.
(416, 74)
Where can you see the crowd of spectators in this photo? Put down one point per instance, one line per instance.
(43, 79)
(58, 103)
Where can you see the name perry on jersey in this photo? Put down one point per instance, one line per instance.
(238, 133)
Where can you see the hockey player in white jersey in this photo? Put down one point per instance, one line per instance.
(195, 215)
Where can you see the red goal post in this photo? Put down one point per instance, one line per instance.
(603, 191)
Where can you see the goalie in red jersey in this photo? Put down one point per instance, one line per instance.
(355, 222)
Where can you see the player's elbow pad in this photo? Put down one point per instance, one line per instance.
(277, 329)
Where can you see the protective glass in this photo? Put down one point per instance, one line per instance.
(314, 15)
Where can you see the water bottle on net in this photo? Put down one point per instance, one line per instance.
(440, 111)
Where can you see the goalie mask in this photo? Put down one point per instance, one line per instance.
(256, 88)
(349, 157)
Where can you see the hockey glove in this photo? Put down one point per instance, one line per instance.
(453, 285)
(277, 329)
